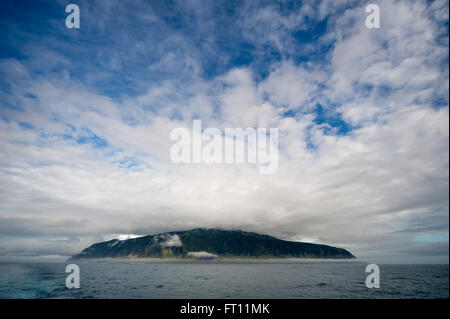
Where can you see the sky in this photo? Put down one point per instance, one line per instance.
(362, 117)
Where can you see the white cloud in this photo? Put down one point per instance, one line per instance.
(201, 254)
(172, 241)
(371, 190)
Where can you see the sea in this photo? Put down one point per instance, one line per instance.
(206, 279)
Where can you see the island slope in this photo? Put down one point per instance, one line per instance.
(209, 243)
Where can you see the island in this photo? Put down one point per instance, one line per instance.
(207, 244)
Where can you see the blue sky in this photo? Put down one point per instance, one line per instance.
(85, 116)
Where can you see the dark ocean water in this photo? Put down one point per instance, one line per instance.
(223, 280)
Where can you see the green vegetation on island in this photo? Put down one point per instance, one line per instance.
(207, 244)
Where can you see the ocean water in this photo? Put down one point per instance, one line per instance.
(223, 280)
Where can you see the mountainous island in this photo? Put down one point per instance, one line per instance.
(202, 243)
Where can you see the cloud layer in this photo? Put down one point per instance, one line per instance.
(363, 120)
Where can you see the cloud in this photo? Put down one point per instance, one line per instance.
(172, 241)
(201, 254)
(362, 117)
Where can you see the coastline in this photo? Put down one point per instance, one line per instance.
(217, 260)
